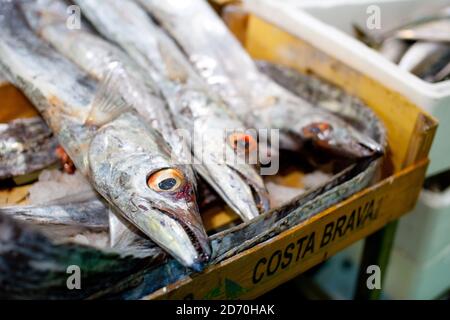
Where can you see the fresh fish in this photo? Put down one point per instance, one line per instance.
(319, 92)
(90, 214)
(94, 55)
(393, 49)
(32, 266)
(420, 46)
(423, 54)
(212, 130)
(426, 28)
(127, 162)
(26, 146)
(434, 31)
(230, 71)
(126, 277)
(437, 70)
(442, 75)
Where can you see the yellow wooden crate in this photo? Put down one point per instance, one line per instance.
(410, 135)
(267, 265)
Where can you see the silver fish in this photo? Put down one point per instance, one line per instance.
(194, 108)
(393, 49)
(113, 273)
(431, 27)
(329, 97)
(230, 71)
(436, 31)
(127, 162)
(422, 54)
(94, 55)
(26, 146)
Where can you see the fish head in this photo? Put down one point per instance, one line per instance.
(233, 173)
(132, 168)
(336, 137)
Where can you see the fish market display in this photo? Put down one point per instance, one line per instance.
(26, 146)
(229, 70)
(127, 162)
(133, 278)
(118, 108)
(213, 131)
(420, 46)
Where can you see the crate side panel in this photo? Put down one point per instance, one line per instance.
(258, 270)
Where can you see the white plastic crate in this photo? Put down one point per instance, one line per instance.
(406, 278)
(328, 26)
(425, 233)
(409, 279)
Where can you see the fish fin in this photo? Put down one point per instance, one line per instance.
(121, 233)
(107, 103)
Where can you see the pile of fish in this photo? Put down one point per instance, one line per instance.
(115, 95)
(420, 46)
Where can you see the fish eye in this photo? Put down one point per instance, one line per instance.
(165, 180)
(315, 129)
(242, 141)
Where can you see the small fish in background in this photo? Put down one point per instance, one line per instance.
(127, 162)
(26, 146)
(214, 130)
(231, 73)
(420, 46)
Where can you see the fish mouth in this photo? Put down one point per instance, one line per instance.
(196, 235)
(360, 147)
(352, 150)
(259, 194)
(350, 146)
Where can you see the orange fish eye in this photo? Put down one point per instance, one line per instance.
(165, 180)
(314, 129)
(242, 141)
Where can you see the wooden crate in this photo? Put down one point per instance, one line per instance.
(267, 265)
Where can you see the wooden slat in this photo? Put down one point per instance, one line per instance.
(260, 269)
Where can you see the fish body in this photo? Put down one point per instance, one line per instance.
(95, 55)
(393, 49)
(26, 146)
(116, 275)
(126, 161)
(229, 70)
(329, 97)
(420, 46)
(202, 115)
(421, 55)
(435, 31)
